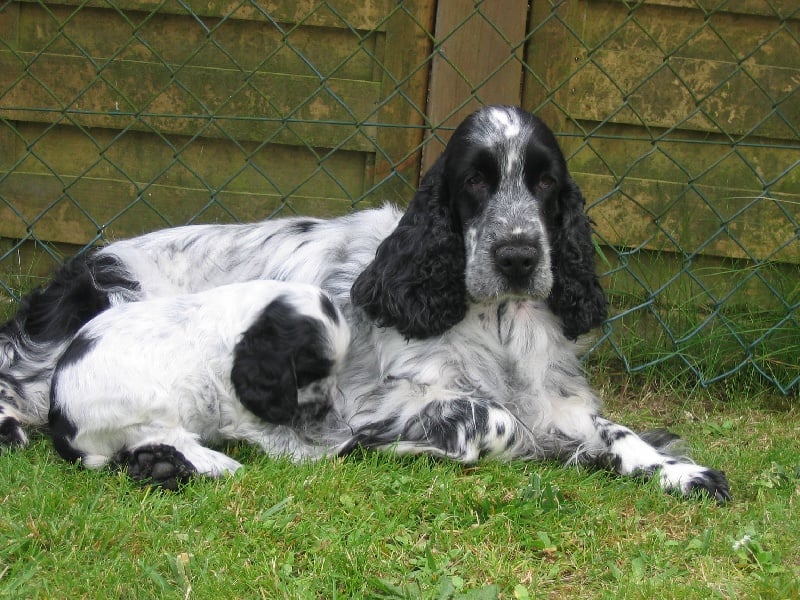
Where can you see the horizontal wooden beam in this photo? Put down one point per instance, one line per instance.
(94, 208)
(196, 101)
(357, 14)
(666, 216)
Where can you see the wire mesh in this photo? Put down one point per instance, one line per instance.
(680, 120)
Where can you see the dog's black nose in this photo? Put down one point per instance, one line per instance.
(516, 260)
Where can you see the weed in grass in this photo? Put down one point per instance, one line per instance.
(433, 577)
(777, 476)
(542, 494)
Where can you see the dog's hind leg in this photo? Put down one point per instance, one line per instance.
(32, 341)
(284, 363)
(162, 457)
(169, 457)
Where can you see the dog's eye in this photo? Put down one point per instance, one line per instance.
(546, 182)
(476, 180)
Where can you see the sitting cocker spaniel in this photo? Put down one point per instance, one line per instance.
(449, 329)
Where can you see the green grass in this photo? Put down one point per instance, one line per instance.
(709, 318)
(739, 340)
(378, 526)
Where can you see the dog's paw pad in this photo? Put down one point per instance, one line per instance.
(161, 466)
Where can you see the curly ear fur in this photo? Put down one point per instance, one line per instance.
(576, 295)
(278, 354)
(416, 281)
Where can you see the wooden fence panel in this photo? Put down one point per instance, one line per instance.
(121, 120)
(477, 61)
(679, 109)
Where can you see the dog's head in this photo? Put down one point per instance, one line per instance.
(496, 217)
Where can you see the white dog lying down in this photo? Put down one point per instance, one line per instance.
(146, 384)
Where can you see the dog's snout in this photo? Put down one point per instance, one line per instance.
(516, 260)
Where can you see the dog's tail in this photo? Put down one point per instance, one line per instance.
(46, 320)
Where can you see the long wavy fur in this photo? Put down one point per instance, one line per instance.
(576, 295)
(416, 282)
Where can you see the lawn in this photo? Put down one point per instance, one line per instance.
(377, 526)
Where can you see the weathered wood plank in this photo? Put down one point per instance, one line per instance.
(688, 33)
(93, 209)
(608, 54)
(698, 95)
(478, 61)
(104, 173)
(131, 92)
(685, 156)
(784, 9)
(145, 159)
(403, 73)
(666, 216)
(670, 163)
(183, 40)
(8, 144)
(358, 14)
(9, 23)
(280, 108)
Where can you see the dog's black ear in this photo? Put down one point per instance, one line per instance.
(416, 281)
(576, 296)
(279, 353)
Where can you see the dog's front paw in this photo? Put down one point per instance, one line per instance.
(11, 432)
(690, 479)
(159, 465)
(712, 482)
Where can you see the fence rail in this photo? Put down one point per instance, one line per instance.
(680, 120)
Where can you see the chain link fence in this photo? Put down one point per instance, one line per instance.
(680, 120)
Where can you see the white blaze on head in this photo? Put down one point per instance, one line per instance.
(507, 128)
(504, 123)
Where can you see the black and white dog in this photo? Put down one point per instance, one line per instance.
(143, 383)
(462, 316)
